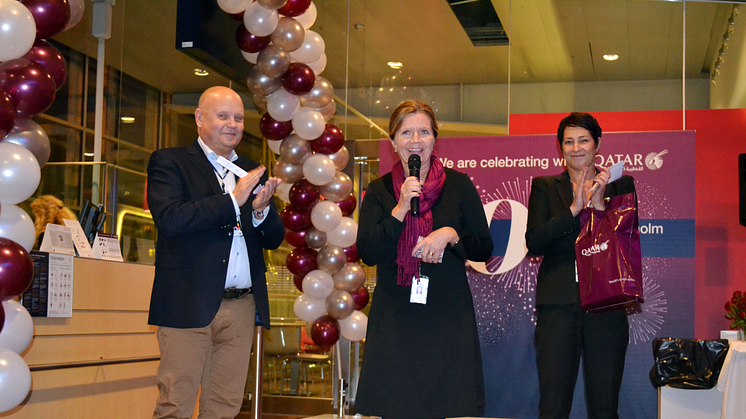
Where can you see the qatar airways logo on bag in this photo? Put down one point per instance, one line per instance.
(598, 248)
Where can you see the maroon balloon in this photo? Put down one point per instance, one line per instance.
(298, 79)
(361, 298)
(51, 58)
(351, 253)
(296, 238)
(249, 42)
(325, 331)
(30, 86)
(301, 261)
(330, 141)
(51, 16)
(304, 195)
(298, 281)
(16, 269)
(294, 8)
(348, 205)
(2, 317)
(274, 130)
(7, 114)
(295, 219)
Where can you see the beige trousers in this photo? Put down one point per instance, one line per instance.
(215, 358)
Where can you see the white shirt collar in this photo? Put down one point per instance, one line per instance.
(212, 156)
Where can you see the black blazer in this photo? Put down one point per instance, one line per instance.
(195, 223)
(551, 232)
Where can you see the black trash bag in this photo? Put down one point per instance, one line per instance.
(687, 363)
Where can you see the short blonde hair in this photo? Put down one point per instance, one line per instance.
(49, 209)
(409, 107)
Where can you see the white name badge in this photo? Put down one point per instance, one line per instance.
(418, 294)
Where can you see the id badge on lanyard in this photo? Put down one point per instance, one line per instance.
(418, 294)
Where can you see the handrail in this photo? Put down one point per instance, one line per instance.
(67, 365)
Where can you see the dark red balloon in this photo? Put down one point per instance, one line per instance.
(298, 79)
(301, 261)
(249, 42)
(16, 269)
(361, 298)
(2, 317)
(330, 141)
(274, 130)
(348, 205)
(51, 16)
(30, 86)
(294, 8)
(7, 114)
(304, 195)
(296, 238)
(298, 281)
(295, 219)
(325, 331)
(351, 253)
(51, 58)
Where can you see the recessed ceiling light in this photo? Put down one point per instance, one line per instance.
(359, 26)
(201, 72)
(610, 57)
(128, 119)
(88, 154)
(395, 64)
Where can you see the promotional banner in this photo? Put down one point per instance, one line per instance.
(502, 168)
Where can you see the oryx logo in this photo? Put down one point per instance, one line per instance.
(654, 161)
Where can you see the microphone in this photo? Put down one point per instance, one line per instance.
(414, 170)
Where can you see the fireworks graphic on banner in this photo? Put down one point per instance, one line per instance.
(646, 320)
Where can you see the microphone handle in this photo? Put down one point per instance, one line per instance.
(415, 204)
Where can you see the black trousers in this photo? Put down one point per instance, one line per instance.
(564, 333)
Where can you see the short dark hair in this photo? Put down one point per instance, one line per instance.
(579, 120)
(409, 107)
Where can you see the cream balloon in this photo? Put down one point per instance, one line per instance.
(318, 284)
(354, 327)
(344, 234)
(311, 50)
(325, 216)
(308, 18)
(233, 6)
(77, 10)
(283, 190)
(350, 278)
(319, 169)
(15, 379)
(282, 105)
(18, 329)
(272, 4)
(338, 189)
(17, 30)
(308, 309)
(250, 56)
(308, 123)
(19, 173)
(319, 65)
(275, 145)
(259, 20)
(17, 225)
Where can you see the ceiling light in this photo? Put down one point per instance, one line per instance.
(359, 26)
(128, 119)
(201, 72)
(395, 65)
(611, 57)
(88, 154)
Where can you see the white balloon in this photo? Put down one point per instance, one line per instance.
(308, 18)
(19, 173)
(309, 309)
(354, 327)
(77, 10)
(274, 145)
(308, 123)
(17, 30)
(18, 329)
(325, 216)
(259, 20)
(283, 191)
(319, 169)
(234, 6)
(318, 284)
(319, 65)
(250, 56)
(15, 379)
(282, 105)
(311, 50)
(345, 234)
(17, 225)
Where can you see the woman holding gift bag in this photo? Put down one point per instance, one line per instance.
(564, 331)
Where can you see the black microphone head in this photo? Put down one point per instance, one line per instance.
(414, 161)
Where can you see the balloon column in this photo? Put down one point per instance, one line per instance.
(31, 72)
(286, 82)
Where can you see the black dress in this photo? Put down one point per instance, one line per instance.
(422, 360)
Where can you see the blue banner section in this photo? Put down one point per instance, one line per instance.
(664, 238)
(500, 230)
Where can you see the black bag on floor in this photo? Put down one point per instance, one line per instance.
(687, 363)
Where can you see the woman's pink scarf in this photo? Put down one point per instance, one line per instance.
(409, 266)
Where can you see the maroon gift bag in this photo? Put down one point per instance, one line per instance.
(608, 256)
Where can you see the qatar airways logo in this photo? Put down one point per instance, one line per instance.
(596, 248)
(654, 161)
